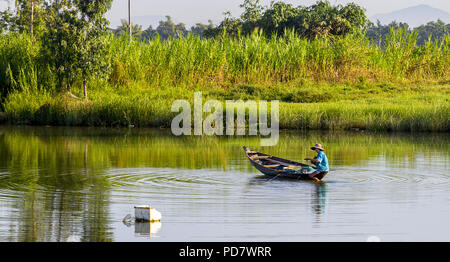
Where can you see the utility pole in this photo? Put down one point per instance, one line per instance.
(129, 21)
(32, 18)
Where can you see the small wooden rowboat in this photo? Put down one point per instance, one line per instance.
(278, 167)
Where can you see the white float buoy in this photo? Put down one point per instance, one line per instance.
(146, 213)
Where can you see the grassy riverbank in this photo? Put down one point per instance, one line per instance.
(340, 83)
(411, 108)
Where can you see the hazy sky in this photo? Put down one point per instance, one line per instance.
(192, 11)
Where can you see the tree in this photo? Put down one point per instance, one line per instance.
(229, 26)
(58, 42)
(76, 42)
(149, 34)
(6, 17)
(198, 29)
(168, 29)
(251, 15)
(124, 28)
(323, 19)
(278, 17)
(319, 20)
(28, 16)
(93, 40)
(378, 33)
(432, 30)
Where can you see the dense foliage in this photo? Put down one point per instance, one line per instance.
(319, 20)
(317, 42)
(28, 17)
(434, 30)
(280, 52)
(71, 44)
(226, 62)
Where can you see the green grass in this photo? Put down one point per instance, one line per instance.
(357, 115)
(340, 83)
(411, 108)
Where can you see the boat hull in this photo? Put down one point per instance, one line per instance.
(277, 172)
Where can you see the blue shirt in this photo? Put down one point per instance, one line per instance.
(322, 165)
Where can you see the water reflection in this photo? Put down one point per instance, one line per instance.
(58, 215)
(142, 228)
(147, 229)
(319, 200)
(71, 184)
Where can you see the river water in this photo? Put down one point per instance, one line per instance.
(77, 184)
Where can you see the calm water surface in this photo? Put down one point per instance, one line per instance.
(77, 184)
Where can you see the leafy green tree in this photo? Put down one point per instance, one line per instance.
(168, 29)
(59, 41)
(123, 29)
(251, 15)
(323, 19)
(149, 34)
(378, 33)
(432, 31)
(28, 16)
(76, 41)
(319, 20)
(229, 26)
(199, 28)
(92, 39)
(278, 17)
(6, 17)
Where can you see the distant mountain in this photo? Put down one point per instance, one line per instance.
(414, 16)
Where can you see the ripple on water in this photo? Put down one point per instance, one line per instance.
(394, 175)
(158, 178)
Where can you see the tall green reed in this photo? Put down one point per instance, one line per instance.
(192, 62)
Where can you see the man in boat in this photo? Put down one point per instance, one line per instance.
(321, 163)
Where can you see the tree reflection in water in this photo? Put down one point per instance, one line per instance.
(57, 184)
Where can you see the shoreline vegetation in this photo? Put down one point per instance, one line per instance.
(337, 82)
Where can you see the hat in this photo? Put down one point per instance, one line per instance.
(317, 146)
